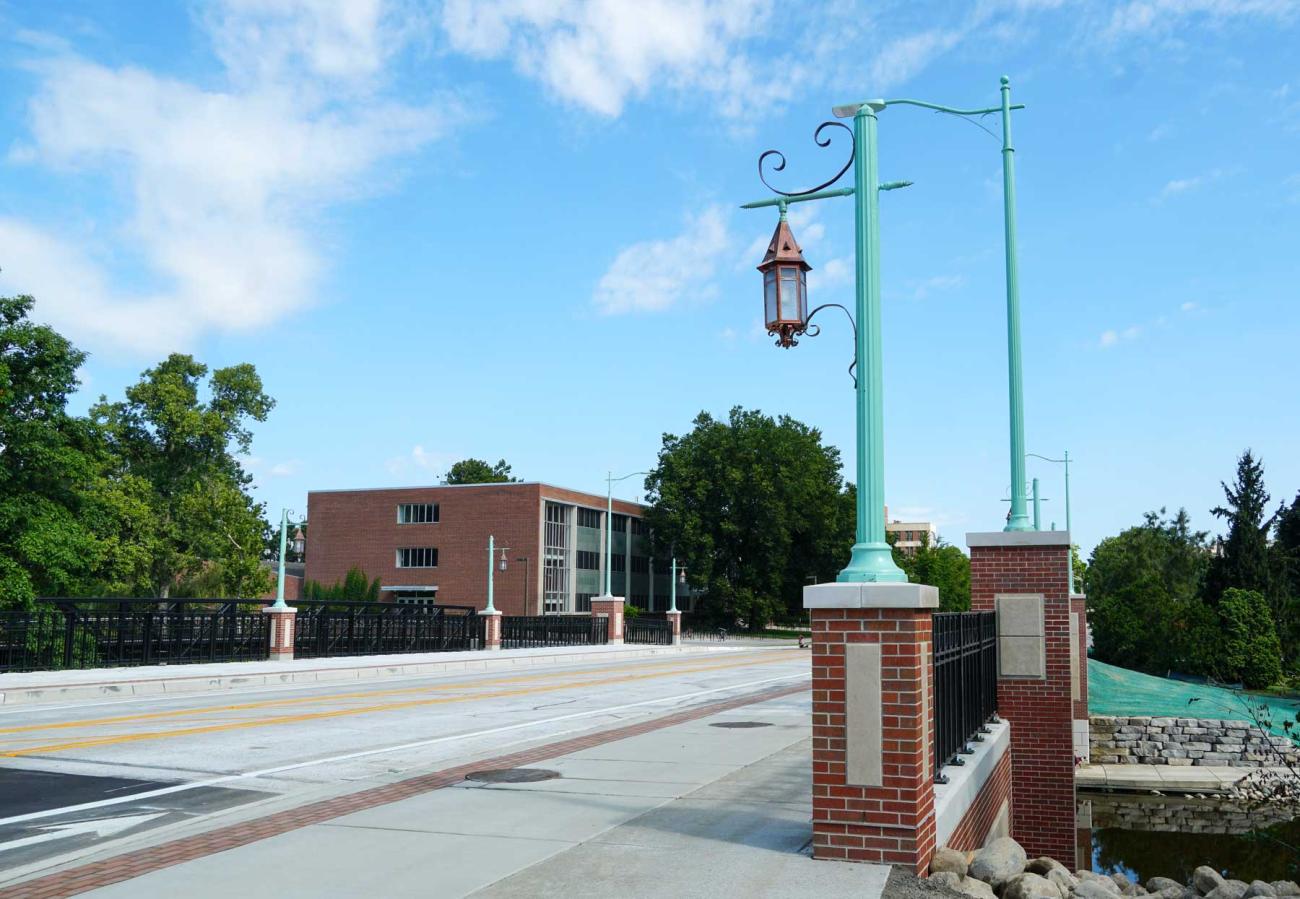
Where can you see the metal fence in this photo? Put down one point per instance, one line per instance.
(112, 633)
(965, 683)
(324, 629)
(647, 630)
(527, 631)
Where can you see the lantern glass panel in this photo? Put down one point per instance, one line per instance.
(790, 305)
(769, 295)
(803, 295)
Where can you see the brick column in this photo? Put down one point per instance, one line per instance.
(675, 619)
(610, 607)
(281, 622)
(873, 783)
(491, 629)
(1024, 577)
(1079, 685)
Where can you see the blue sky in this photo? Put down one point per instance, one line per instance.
(505, 228)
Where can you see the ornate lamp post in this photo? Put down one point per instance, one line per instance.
(871, 559)
(279, 586)
(493, 564)
(610, 481)
(678, 576)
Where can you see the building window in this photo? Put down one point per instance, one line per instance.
(640, 565)
(555, 558)
(639, 527)
(582, 602)
(618, 524)
(589, 518)
(618, 562)
(417, 557)
(640, 599)
(417, 513)
(588, 560)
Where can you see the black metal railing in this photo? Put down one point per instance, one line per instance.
(527, 631)
(325, 629)
(113, 633)
(965, 683)
(647, 630)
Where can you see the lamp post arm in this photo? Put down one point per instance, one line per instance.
(902, 101)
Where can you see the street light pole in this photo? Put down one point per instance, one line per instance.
(673, 588)
(1068, 523)
(1018, 520)
(492, 563)
(279, 586)
(610, 480)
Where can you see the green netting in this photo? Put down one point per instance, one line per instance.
(1119, 691)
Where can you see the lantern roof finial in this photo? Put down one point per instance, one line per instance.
(783, 248)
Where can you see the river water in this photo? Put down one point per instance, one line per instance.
(1170, 836)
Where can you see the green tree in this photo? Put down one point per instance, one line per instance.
(756, 508)
(183, 449)
(1243, 558)
(1248, 648)
(67, 528)
(940, 565)
(1285, 565)
(476, 471)
(355, 587)
(1144, 597)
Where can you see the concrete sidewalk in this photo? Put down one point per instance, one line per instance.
(99, 683)
(719, 804)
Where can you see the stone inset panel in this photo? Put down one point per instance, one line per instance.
(1022, 638)
(863, 714)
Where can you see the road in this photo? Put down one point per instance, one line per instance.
(91, 779)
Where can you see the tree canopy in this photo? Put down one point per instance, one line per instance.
(476, 471)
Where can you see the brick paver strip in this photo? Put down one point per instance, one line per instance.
(124, 867)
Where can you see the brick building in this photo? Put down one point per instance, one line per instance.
(429, 544)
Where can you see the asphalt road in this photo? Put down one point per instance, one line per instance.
(78, 779)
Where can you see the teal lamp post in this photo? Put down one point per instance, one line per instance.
(787, 316)
(279, 585)
(1066, 462)
(610, 481)
(493, 564)
(676, 574)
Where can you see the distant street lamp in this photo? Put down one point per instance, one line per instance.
(678, 575)
(1066, 463)
(493, 564)
(610, 481)
(279, 587)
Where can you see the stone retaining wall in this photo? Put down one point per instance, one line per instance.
(1183, 741)
(1178, 815)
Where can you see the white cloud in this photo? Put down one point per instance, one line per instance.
(1189, 306)
(1143, 18)
(420, 459)
(1180, 186)
(923, 289)
(904, 58)
(1112, 337)
(654, 275)
(600, 53)
(220, 184)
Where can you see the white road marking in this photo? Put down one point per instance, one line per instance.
(102, 827)
(280, 769)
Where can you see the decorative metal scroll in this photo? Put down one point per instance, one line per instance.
(821, 142)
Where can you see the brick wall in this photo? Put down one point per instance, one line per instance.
(892, 823)
(983, 813)
(1040, 711)
(359, 527)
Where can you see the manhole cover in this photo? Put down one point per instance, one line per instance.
(512, 775)
(742, 724)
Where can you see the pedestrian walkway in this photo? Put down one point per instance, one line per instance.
(657, 811)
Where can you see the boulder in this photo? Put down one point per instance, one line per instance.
(1031, 886)
(1100, 879)
(1285, 887)
(1260, 888)
(946, 879)
(1095, 889)
(1126, 886)
(1229, 889)
(1042, 865)
(1160, 884)
(998, 862)
(976, 889)
(1063, 879)
(949, 861)
(1206, 880)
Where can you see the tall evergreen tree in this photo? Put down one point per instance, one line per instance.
(1242, 561)
(1285, 553)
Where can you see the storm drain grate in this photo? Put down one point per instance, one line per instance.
(739, 724)
(512, 775)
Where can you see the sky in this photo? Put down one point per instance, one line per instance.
(511, 229)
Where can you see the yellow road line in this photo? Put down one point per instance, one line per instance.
(340, 713)
(274, 703)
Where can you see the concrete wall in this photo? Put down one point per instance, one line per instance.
(1183, 741)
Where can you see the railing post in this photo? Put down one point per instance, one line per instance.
(675, 620)
(610, 607)
(281, 623)
(873, 789)
(69, 635)
(491, 629)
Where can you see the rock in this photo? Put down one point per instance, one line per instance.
(1176, 892)
(1259, 888)
(948, 861)
(946, 879)
(1286, 887)
(1125, 885)
(1229, 889)
(1206, 880)
(1100, 879)
(998, 862)
(1064, 880)
(1042, 865)
(1031, 886)
(976, 889)
(1159, 884)
(1096, 889)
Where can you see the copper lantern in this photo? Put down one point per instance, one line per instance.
(785, 286)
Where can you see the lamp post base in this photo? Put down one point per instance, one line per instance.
(872, 563)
